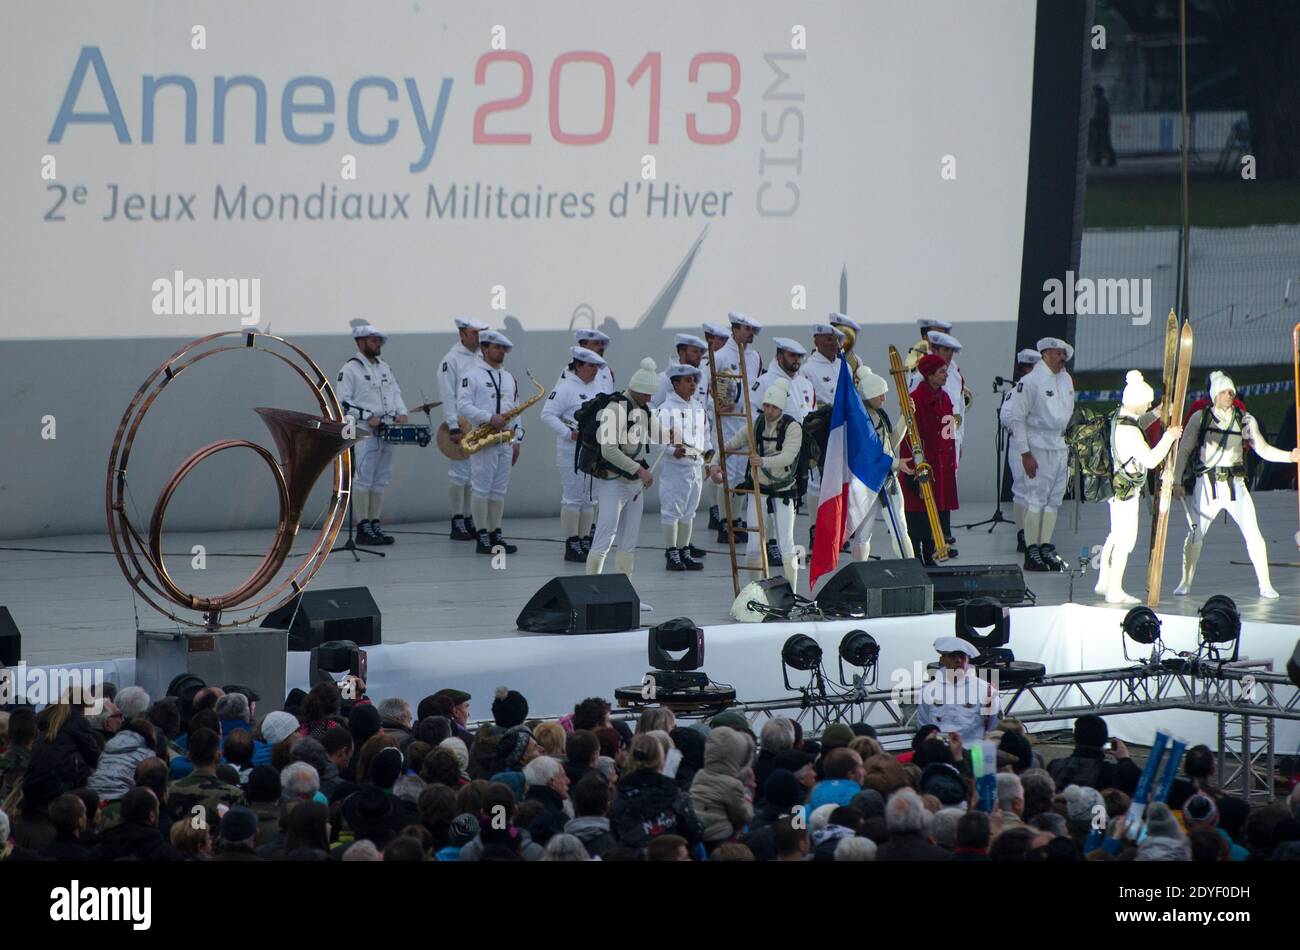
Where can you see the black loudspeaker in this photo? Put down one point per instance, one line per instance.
(583, 603)
(1293, 665)
(345, 613)
(893, 588)
(953, 585)
(11, 641)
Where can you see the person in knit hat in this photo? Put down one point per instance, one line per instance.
(1164, 839)
(777, 438)
(933, 410)
(888, 503)
(624, 476)
(1131, 458)
(509, 708)
(1217, 461)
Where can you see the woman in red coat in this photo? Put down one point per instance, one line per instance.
(934, 422)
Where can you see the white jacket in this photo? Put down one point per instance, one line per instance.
(823, 374)
(455, 365)
(800, 401)
(370, 389)
(559, 408)
(1041, 409)
(485, 391)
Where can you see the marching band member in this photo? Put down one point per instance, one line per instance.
(595, 341)
(715, 336)
(1025, 361)
(486, 392)
(685, 429)
(369, 393)
(922, 346)
(1042, 409)
(743, 331)
(1131, 459)
(822, 368)
(579, 383)
(690, 351)
(932, 407)
(873, 390)
(801, 401)
(1220, 470)
(777, 437)
(624, 477)
(840, 320)
(455, 365)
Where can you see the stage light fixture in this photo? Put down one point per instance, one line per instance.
(1142, 626)
(983, 613)
(859, 648)
(1220, 624)
(336, 657)
(674, 675)
(1293, 665)
(801, 652)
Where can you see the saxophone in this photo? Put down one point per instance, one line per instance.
(480, 437)
(924, 473)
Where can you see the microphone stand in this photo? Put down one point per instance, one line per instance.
(1085, 558)
(999, 463)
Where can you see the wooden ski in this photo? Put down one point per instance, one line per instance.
(1174, 416)
(1166, 395)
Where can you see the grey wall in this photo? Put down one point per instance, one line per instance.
(56, 486)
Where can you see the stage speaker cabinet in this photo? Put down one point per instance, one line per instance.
(250, 656)
(892, 588)
(344, 613)
(953, 584)
(583, 603)
(11, 641)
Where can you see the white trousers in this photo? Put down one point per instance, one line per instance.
(489, 473)
(1124, 516)
(737, 465)
(1017, 466)
(1045, 490)
(458, 471)
(374, 464)
(1204, 506)
(861, 538)
(784, 529)
(680, 483)
(621, 502)
(575, 487)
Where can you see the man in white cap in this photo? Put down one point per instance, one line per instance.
(487, 392)
(1217, 457)
(922, 346)
(802, 400)
(592, 339)
(1131, 459)
(957, 699)
(822, 368)
(842, 320)
(690, 352)
(1025, 361)
(874, 389)
(579, 384)
(716, 336)
(684, 427)
(777, 438)
(454, 367)
(727, 357)
(1037, 418)
(622, 474)
(369, 393)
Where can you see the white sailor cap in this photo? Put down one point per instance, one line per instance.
(789, 345)
(689, 339)
(938, 338)
(492, 336)
(1053, 343)
(934, 323)
(592, 334)
(676, 370)
(1028, 356)
(584, 355)
(739, 318)
(470, 323)
(368, 329)
(716, 329)
(819, 328)
(955, 645)
(840, 320)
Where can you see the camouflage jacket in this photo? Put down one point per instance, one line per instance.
(206, 791)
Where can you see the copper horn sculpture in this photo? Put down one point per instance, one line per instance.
(307, 445)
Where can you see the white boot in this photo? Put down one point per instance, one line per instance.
(861, 551)
(595, 563)
(1115, 593)
(1191, 552)
(1103, 572)
(791, 570)
(1258, 552)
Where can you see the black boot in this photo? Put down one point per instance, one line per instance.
(688, 559)
(499, 539)
(459, 531)
(673, 559)
(1053, 560)
(773, 554)
(695, 552)
(484, 542)
(573, 550)
(715, 518)
(365, 538)
(378, 532)
(586, 546)
(1034, 560)
(1020, 542)
(471, 530)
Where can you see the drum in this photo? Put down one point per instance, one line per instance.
(405, 434)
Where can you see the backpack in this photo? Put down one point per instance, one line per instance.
(1195, 467)
(812, 451)
(1088, 438)
(586, 451)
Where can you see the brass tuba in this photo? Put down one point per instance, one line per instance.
(846, 349)
(478, 438)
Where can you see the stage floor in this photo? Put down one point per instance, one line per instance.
(71, 603)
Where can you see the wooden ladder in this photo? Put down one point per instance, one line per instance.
(718, 416)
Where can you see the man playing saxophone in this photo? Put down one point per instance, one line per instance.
(488, 392)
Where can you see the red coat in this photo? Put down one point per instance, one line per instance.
(932, 407)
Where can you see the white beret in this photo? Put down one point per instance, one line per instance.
(740, 318)
(819, 328)
(584, 355)
(492, 336)
(470, 323)
(933, 323)
(676, 370)
(716, 329)
(789, 345)
(840, 320)
(581, 335)
(1052, 343)
(689, 339)
(938, 338)
(955, 645)
(368, 329)
(1028, 356)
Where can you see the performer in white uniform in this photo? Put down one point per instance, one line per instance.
(624, 428)
(1037, 418)
(873, 389)
(451, 371)
(716, 336)
(1026, 359)
(579, 384)
(1220, 472)
(822, 368)
(802, 400)
(690, 352)
(1131, 459)
(487, 392)
(684, 427)
(595, 341)
(369, 393)
(743, 331)
(957, 699)
(922, 346)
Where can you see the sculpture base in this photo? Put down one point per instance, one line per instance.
(252, 656)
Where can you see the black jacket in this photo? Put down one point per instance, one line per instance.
(134, 841)
(911, 847)
(1087, 766)
(549, 798)
(67, 762)
(649, 804)
(66, 849)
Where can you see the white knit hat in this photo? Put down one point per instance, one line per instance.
(1137, 391)
(278, 726)
(645, 380)
(1220, 381)
(869, 384)
(777, 393)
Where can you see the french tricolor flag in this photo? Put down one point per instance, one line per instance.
(853, 472)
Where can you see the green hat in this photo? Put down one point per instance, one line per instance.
(732, 720)
(836, 736)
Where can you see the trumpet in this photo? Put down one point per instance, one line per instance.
(846, 349)
(478, 438)
(924, 473)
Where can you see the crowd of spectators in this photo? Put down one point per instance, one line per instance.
(202, 777)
